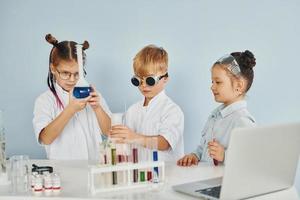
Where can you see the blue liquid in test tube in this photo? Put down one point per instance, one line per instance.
(155, 158)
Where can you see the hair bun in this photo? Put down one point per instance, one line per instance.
(247, 59)
(52, 40)
(85, 45)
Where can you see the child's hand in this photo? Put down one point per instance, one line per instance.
(188, 160)
(77, 104)
(123, 133)
(95, 99)
(216, 150)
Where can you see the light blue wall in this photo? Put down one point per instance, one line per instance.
(194, 32)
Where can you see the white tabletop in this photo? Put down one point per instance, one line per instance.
(74, 183)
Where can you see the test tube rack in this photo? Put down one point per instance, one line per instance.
(98, 170)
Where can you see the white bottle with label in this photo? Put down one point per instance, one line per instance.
(56, 184)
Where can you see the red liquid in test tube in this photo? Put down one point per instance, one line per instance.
(149, 175)
(135, 160)
(215, 161)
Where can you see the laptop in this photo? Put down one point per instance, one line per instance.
(259, 161)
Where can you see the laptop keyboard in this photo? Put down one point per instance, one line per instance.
(213, 191)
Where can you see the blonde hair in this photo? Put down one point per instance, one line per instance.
(150, 60)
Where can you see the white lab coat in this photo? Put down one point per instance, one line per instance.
(81, 136)
(161, 117)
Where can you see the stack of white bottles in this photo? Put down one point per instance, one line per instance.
(45, 183)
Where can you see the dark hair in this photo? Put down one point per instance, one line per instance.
(66, 51)
(246, 61)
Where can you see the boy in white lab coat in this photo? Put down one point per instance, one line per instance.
(156, 116)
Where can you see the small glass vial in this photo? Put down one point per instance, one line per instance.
(32, 179)
(38, 184)
(56, 184)
(47, 183)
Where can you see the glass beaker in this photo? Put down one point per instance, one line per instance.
(19, 173)
(82, 88)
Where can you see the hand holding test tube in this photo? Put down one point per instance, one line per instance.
(123, 134)
(216, 151)
(116, 120)
(215, 161)
(214, 140)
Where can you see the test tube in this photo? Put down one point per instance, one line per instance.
(108, 160)
(120, 153)
(155, 178)
(105, 159)
(142, 176)
(114, 162)
(153, 147)
(216, 163)
(118, 177)
(155, 158)
(114, 178)
(113, 156)
(108, 156)
(213, 139)
(149, 175)
(135, 160)
(117, 119)
(128, 156)
(102, 153)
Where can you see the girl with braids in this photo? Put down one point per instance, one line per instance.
(69, 128)
(232, 77)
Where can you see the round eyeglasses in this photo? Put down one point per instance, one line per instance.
(67, 75)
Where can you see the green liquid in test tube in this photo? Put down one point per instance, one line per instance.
(142, 176)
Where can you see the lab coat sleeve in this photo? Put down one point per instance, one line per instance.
(106, 109)
(104, 105)
(42, 115)
(201, 147)
(198, 152)
(172, 125)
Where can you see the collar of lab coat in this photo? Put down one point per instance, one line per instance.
(155, 100)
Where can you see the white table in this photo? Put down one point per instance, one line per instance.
(74, 183)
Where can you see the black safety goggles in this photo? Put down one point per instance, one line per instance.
(150, 80)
